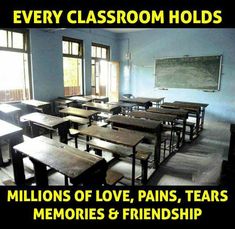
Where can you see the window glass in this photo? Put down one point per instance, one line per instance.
(18, 40)
(3, 38)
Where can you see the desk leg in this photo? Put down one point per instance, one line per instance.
(17, 161)
(197, 123)
(171, 139)
(133, 166)
(202, 118)
(34, 130)
(18, 168)
(157, 149)
(2, 163)
(63, 132)
(40, 171)
(87, 146)
(184, 130)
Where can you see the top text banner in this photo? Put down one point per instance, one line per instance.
(116, 13)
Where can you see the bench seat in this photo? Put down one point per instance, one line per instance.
(142, 154)
(77, 120)
(113, 177)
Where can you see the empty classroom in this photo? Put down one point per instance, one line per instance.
(117, 107)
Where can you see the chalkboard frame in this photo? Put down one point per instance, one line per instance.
(184, 63)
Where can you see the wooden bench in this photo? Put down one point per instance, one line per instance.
(149, 137)
(113, 177)
(103, 116)
(191, 126)
(100, 123)
(77, 120)
(74, 133)
(122, 151)
(9, 183)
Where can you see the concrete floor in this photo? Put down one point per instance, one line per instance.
(197, 163)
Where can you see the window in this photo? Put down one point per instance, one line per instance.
(14, 66)
(100, 55)
(73, 66)
(99, 51)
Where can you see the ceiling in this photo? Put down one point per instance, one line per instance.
(124, 30)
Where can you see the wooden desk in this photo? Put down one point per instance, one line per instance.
(80, 99)
(65, 102)
(97, 98)
(163, 118)
(180, 114)
(153, 116)
(143, 102)
(195, 110)
(141, 125)
(48, 122)
(78, 166)
(126, 107)
(116, 137)
(14, 135)
(10, 113)
(37, 105)
(155, 101)
(203, 110)
(113, 109)
(60, 103)
(79, 112)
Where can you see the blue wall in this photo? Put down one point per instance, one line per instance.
(145, 46)
(47, 59)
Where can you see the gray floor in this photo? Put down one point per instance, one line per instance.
(197, 163)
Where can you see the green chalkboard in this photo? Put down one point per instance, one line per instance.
(201, 72)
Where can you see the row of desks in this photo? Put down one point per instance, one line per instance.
(102, 133)
(77, 165)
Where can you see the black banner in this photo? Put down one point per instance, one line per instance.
(144, 205)
(116, 13)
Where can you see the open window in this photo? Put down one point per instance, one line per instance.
(73, 66)
(14, 66)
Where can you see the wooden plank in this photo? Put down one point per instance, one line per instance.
(44, 119)
(35, 103)
(114, 136)
(193, 103)
(80, 99)
(78, 120)
(193, 108)
(65, 159)
(97, 98)
(153, 116)
(62, 101)
(180, 113)
(139, 101)
(101, 107)
(7, 129)
(78, 112)
(123, 104)
(6, 108)
(135, 122)
(120, 150)
(155, 100)
(113, 177)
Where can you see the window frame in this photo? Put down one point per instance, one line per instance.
(80, 55)
(96, 59)
(26, 50)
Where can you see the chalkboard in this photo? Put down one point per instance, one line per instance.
(201, 72)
